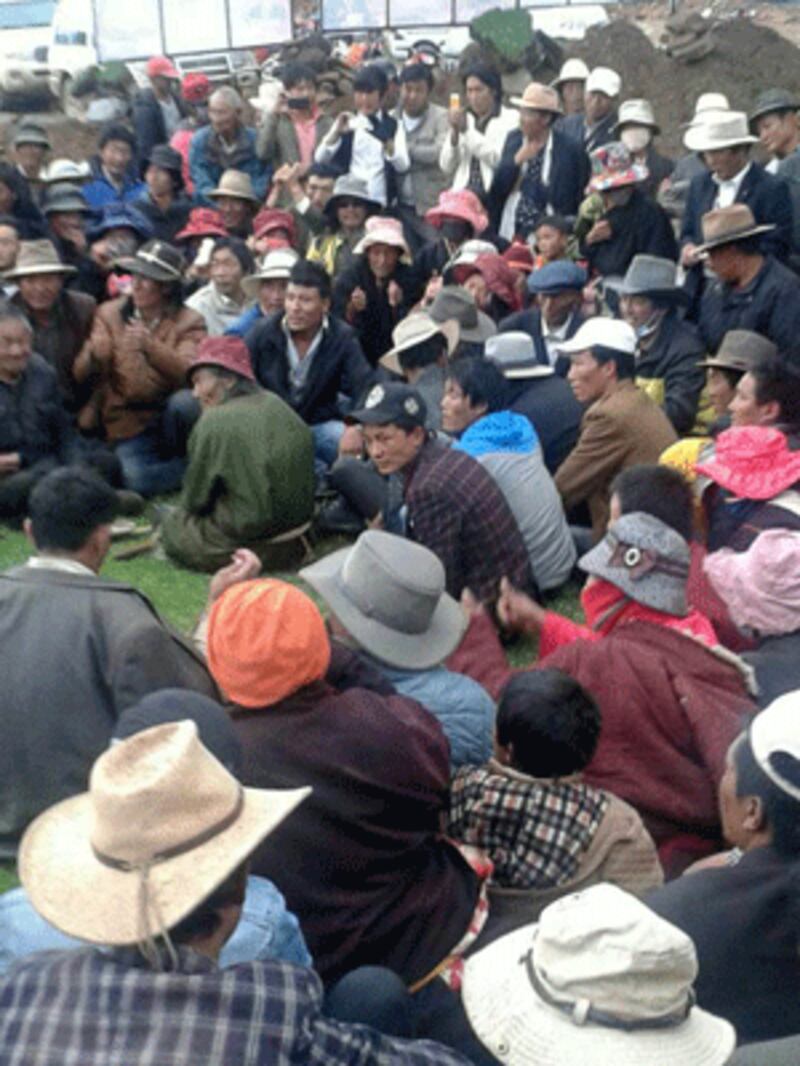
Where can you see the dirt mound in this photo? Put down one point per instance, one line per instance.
(70, 139)
(747, 59)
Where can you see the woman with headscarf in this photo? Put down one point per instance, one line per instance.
(493, 284)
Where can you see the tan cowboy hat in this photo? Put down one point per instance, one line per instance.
(380, 230)
(38, 257)
(719, 130)
(727, 225)
(235, 184)
(413, 330)
(538, 97)
(161, 827)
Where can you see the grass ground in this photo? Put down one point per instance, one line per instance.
(180, 596)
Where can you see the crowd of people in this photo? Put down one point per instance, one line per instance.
(504, 348)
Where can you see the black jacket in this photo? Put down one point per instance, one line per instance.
(659, 167)
(375, 323)
(669, 371)
(338, 366)
(148, 122)
(165, 223)
(776, 662)
(569, 172)
(530, 322)
(574, 127)
(33, 420)
(769, 305)
(743, 920)
(550, 406)
(639, 227)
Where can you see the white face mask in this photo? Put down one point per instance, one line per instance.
(636, 138)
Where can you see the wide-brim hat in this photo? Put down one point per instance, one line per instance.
(741, 350)
(727, 225)
(111, 866)
(719, 131)
(452, 302)
(613, 168)
(462, 204)
(382, 230)
(652, 276)
(236, 185)
(538, 97)
(275, 266)
(642, 557)
(347, 187)
(223, 353)
(65, 171)
(31, 133)
(64, 198)
(636, 113)
(156, 260)
(752, 462)
(772, 100)
(761, 586)
(389, 594)
(515, 1023)
(415, 329)
(37, 257)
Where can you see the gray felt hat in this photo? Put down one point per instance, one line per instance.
(772, 100)
(453, 302)
(389, 594)
(645, 559)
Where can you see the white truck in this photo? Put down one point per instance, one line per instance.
(25, 30)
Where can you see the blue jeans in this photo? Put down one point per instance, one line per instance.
(154, 460)
(326, 444)
(266, 929)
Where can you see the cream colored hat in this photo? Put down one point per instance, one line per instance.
(601, 979)
(161, 827)
(572, 70)
(719, 130)
(380, 230)
(415, 329)
(637, 113)
(276, 265)
(776, 731)
(603, 80)
(538, 97)
(235, 184)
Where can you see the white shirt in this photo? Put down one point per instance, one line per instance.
(64, 566)
(509, 217)
(728, 190)
(368, 159)
(554, 338)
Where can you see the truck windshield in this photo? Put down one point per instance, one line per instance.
(15, 16)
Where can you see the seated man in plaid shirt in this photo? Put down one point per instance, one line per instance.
(547, 833)
(453, 505)
(151, 862)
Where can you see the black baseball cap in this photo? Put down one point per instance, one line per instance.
(391, 402)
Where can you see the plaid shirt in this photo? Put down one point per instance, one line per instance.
(89, 1008)
(456, 509)
(535, 831)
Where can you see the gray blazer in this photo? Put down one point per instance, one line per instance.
(276, 140)
(425, 180)
(77, 650)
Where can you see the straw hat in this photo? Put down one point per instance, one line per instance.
(721, 130)
(538, 97)
(156, 260)
(224, 353)
(389, 594)
(603, 80)
(752, 462)
(236, 185)
(415, 329)
(741, 350)
(601, 979)
(613, 168)
(644, 558)
(761, 586)
(38, 257)
(636, 113)
(572, 70)
(275, 266)
(727, 225)
(162, 825)
(381, 230)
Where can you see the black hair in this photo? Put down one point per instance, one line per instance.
(481, 382)
(781, 811)
(417, 72)
(239, 249)
(555, 222)
(777, 381)
(552, 722)
(294, 73)
(311, 276)
(746, 245)
(67, 506)
(322, 170)
(426, 353)
(625, 363)
(733, 377)
(115, 131)
(239, 386)
(488, 75)
(11, 222)
(660, 491)
(203, 921)
(370, 79)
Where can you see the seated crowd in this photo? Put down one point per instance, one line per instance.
(511, 352)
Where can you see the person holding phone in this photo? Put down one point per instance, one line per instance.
(291, 131)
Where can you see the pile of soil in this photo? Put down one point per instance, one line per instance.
(746, 59)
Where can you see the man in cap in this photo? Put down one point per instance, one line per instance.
(157, 111)
(106, 648)
(621, 427)
(570, 85)
(236, 201)
(267, 286)
(668, 349)
(30, 146)
(724, 142)
(555, 312)
(453, 506)
(751, 289)
(672, 196)
(775, 123)
(164, 202)
(594, 127)
(67, 214)
(226, 144)
(114, 171)
(739, 351)
(159, 882)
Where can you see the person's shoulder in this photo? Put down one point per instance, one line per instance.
(81, 302)
(777, 273)
(39, 370)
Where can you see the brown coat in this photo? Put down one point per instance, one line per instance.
(131, 386)
(619, 430)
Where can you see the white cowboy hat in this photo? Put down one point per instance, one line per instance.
(719, 130)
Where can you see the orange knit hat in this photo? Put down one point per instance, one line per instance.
(266, 639)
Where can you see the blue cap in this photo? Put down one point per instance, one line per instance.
(116, 216)
(560, 276)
